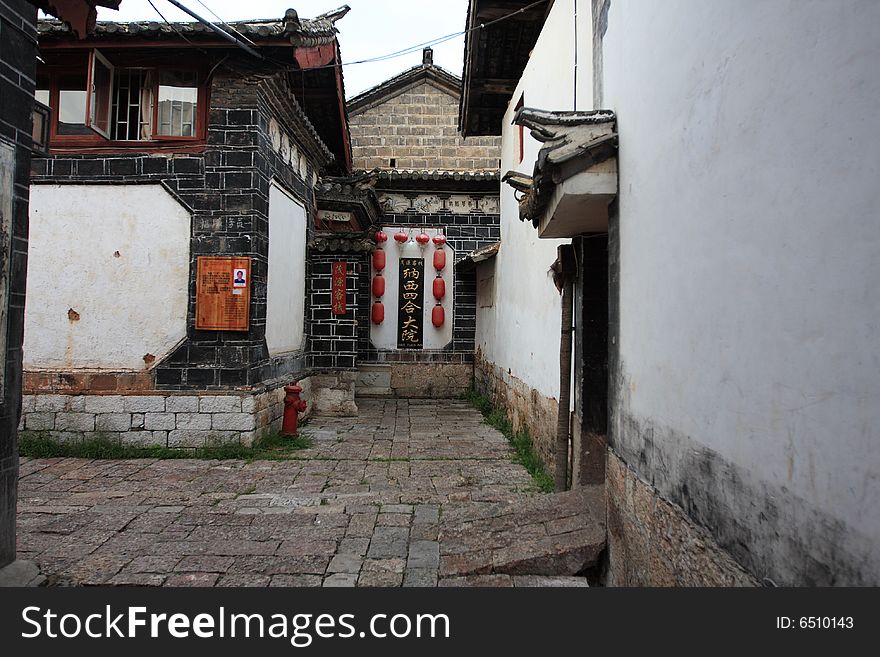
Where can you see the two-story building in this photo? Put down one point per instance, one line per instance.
(169, 225)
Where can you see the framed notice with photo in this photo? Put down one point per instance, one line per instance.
(223, 293)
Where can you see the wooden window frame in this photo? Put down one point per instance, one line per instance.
(157, 143)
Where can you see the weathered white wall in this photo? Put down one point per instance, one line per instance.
(524, 336)
(749, 261)
(286, 286)
(384, 335)
(118, 255)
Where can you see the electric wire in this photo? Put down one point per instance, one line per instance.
(380, 58)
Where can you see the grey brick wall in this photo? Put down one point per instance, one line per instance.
(419, 130)
(333, 338)
(17, 80)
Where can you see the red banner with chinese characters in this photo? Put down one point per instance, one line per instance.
(337, 287)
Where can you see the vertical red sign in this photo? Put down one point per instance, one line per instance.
(337, 287)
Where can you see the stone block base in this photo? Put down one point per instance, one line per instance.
(651, 542)
(332, 393)
(160, 418)
(414, 380)
(526, 407)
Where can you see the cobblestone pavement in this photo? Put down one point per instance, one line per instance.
(409, 493)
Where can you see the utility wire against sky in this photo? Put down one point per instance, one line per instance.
(380, 58)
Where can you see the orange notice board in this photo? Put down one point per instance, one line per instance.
(223, 293)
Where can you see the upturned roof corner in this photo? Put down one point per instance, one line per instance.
(575, 173)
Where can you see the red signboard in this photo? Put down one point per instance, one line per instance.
(337, 287)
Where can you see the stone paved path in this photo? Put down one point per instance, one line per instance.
(410, 493)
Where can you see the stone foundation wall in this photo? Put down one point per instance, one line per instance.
(651, 542)
(526, 407)
(332, 393)
(170, 419)
(431, 380)
(414, 380)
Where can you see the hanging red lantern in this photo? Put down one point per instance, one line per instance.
(439, 259)
(378, 260)
(378, 285)
(378, 312)
(439, 288)
(381, 236)
(400, 237)
(439, 240)
(423, 239)
(438, 316)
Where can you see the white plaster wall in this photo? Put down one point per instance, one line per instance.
(750, 247)
(118, 255)
(384, 335)
(286, 285)
(524, 336)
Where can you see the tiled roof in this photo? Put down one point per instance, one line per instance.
(438, 174)
(299, 32)
(479, 255)
(392, 85)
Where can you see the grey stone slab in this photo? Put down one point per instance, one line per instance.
(389, 542)
(420, 577)
(424, 554)
(345, 563)
(341, 580)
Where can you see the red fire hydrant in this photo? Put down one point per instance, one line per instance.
(293, 406)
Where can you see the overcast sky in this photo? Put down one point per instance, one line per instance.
(371, 29)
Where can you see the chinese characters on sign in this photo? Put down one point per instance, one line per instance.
(411, 303)
(223, 293)
(337, 287)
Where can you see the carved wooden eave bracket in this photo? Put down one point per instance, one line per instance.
(348, 210)
(575, 174)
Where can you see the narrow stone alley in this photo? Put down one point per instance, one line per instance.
(409, 493)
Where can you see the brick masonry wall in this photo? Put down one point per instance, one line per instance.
(227, 189)
(419, 130)
(333, 338)
(17, 81)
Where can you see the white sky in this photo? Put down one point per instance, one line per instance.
(372, 28)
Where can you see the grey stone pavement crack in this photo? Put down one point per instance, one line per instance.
(409, 493)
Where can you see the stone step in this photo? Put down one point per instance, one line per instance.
(549, 535)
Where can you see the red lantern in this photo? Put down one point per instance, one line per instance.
(378, 312)
(439, 240)
(381, 236)
(378, 285)
(438, 316)
(439, 259)
(400, 237)
(423, 239)
(378, 260)
(439, 288)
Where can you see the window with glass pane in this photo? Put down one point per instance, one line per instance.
(100, 103)
(178, 100)
(72, 105)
